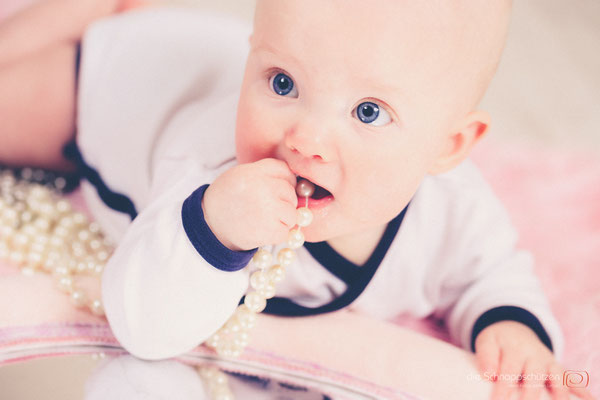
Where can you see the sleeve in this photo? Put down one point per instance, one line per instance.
(154, 92)
(487, 278)
(170, 283)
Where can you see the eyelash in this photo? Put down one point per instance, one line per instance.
(274, 71)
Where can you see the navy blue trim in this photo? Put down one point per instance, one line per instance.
(116, 201)
(356, 280)
(204, 240)
(510, 313)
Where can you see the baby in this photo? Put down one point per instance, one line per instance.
(373, 102)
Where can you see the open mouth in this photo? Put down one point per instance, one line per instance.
(319, 193)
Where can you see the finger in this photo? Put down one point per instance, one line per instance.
(287, 194)
(533, 383)
(278, 169)
(287, 215)
(511, 367)
(488, 356)
(555, 384)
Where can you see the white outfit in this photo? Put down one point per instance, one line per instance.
(157, 102)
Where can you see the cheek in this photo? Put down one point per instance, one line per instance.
(250, 136)
(384, 185)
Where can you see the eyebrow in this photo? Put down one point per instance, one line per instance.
(270, 49)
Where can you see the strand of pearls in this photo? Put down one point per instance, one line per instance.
(232, 338)
(40, 232)
(216, 383)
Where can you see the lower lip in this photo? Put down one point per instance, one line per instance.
(314, 204)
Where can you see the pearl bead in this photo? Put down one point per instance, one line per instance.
(43, 224)
(7, 231)
(223, 394)
(255, 302)
(102, 255)
(95, 244)
(61, 271)
(94, 227)
(20, 240)
(63, 206)
(305, 216)
(26, 216)
(246, 318)
(305, 188)
(79, 219)
(212, 342)
(49, 265)
(34, 260)
(96, 307)
(286, 257)
(262, 258)
(276, 273)
(78, 298)
(60, 183)
(267, 291)
(16, 257)
(295, 238)
(9, 215)
(65, 284)
(37, 247)
(57, 241)
(259, 279)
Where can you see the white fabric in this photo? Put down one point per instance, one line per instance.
(158, 95)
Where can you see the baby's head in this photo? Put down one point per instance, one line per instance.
(365, 98)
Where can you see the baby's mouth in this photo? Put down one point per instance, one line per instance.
(319, 193)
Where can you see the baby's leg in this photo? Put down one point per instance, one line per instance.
(47, 23)
(37, 108)
(37, 78)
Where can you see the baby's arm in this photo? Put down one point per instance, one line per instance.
(171, 283)
(487, 285)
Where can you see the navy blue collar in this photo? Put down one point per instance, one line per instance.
(356, 277)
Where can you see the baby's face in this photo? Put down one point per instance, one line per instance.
(356, 96)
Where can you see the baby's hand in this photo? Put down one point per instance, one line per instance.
(252, 205)
(507, 349)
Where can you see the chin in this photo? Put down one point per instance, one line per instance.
(313, 234)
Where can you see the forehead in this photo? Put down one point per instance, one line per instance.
(390, 40)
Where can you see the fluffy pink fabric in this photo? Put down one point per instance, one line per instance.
(553, 197)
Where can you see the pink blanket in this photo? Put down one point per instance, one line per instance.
(553, 197)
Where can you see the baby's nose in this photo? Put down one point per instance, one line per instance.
(309, 142)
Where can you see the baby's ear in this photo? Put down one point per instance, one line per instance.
(459, 143)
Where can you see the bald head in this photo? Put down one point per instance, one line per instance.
(445, 49)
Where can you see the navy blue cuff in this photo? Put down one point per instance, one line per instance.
(510, 313)
(204, 240)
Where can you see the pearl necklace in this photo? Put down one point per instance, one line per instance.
(231, 339)
(39, 231)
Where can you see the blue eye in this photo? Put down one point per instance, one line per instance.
(370, 113)
(283, 85)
